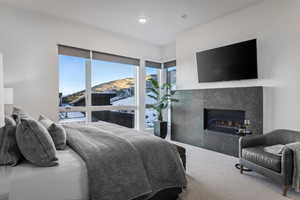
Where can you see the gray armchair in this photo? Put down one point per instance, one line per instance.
(277, 167)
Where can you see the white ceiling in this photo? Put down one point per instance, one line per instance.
(121, 16)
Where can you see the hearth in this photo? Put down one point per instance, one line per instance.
(238, 104)
(221, 120)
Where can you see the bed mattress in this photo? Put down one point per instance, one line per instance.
(67, 181)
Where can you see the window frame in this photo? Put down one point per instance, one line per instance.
(166, 65)
(160, 77)
(89, 108)
(139, 87)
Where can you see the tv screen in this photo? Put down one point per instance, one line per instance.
(234, 62)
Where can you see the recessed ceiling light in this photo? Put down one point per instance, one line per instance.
(142, 20)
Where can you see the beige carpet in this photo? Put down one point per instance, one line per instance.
(212, 176)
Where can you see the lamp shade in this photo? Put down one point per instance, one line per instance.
(8, 96)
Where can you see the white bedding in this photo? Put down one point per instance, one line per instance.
(67, 181)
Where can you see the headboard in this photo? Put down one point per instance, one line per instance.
(1, 92)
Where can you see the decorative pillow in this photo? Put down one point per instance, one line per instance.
(59, 136)
(9, 150)
(45, 121)
(56, 131)
(18, 114)
(9, 121)
(35, 143)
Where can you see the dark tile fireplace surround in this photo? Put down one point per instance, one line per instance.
(209, 118)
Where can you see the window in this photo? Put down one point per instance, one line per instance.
(96, 86)
(170, 68)
(152, 70)
(72, 83)
(71, 88)
(72, 116)
(120, 117)
(114, 82)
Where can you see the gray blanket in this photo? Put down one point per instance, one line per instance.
(124, 163)
(295, 147)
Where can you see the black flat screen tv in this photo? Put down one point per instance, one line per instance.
(234, 62)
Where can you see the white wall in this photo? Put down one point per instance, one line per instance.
(275, 23)
(1, 93)
(168, 52)
(28, 42)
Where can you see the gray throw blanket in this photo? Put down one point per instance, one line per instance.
(295, 147)
(123, 163)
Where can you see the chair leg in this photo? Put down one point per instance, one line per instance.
(241, 169)
(284, 189)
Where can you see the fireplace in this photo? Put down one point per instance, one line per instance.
(226, 121)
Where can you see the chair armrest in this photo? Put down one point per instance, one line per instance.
(250, 141)
(287, 163)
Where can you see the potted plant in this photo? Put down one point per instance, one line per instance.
(163, 97)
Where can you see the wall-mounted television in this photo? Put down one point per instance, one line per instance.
(233, 62)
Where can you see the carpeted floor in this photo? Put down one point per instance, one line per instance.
(212, 176)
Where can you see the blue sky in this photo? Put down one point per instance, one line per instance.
(72, 73)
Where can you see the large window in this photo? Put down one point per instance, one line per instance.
(152, 70)
(96, 86)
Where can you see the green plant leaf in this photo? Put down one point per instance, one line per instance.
(174, 100)
(166, 86)
(154, 83)
(165, 97)
(173, 92)
(165, 106)
(153, 97)
(154, 91)
(155, 107)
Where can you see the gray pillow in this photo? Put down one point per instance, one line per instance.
(9, 121)
(35, 143)
(9, 150)
(18, 114)
(58, 135)
(45, 121)
(57, 132)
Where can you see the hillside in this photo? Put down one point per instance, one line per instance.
(121, 87)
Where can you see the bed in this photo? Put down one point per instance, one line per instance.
(71, 179)
(66, 181)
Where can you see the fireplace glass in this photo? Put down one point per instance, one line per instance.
(226, 121)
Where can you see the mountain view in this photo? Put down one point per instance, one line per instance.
(123, 88)
(124, 95)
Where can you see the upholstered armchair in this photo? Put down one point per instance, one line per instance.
(277, 167)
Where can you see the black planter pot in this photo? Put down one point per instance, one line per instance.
(161, 129)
